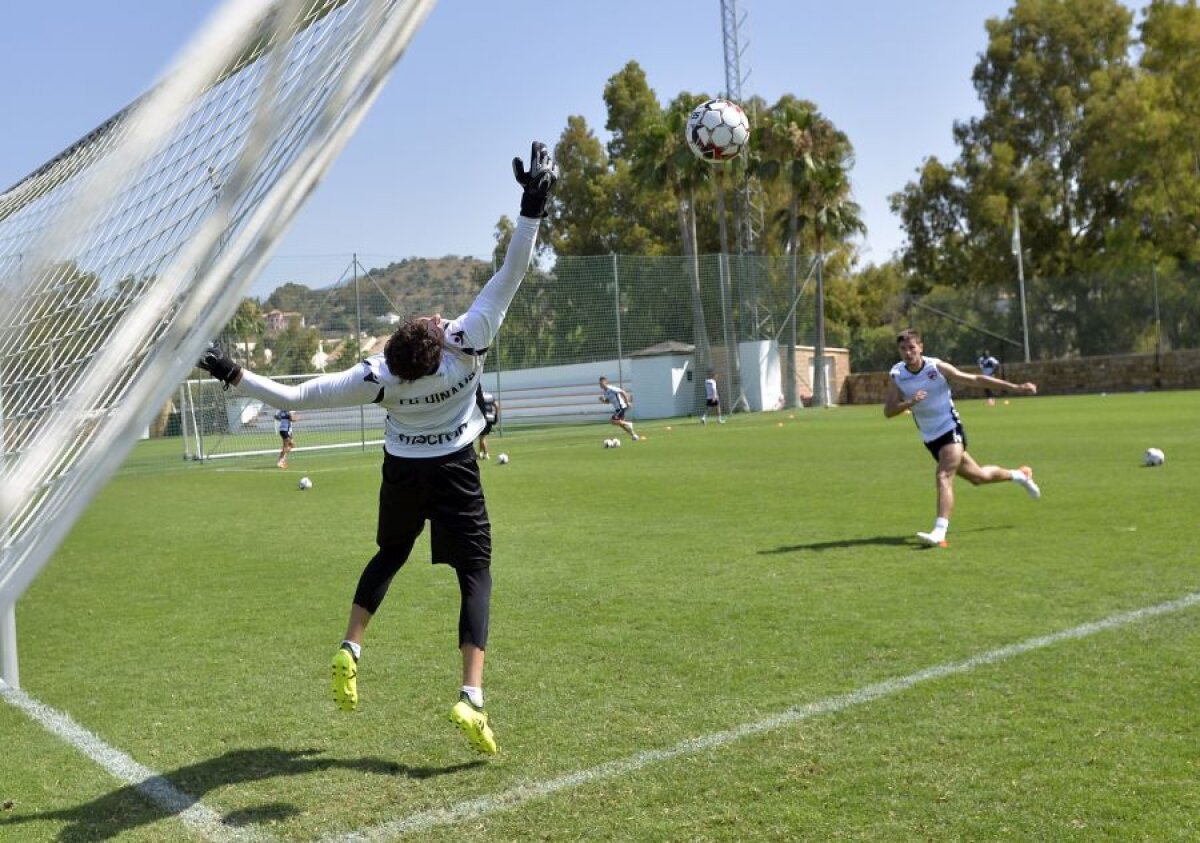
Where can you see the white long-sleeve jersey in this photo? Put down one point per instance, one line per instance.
(434, 415)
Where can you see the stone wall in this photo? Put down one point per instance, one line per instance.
(1072, 376)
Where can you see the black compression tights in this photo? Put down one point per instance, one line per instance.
(474, 586)
(377, 576)
(476, 589)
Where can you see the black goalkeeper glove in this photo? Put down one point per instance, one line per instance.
(217, 362)
(538, 180)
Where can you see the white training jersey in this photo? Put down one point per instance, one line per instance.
(710, 389)
(936, 414)
(988, 365)
(434, 415)
(616, 397)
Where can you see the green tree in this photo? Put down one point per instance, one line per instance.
(1039, 80)
(245, 329)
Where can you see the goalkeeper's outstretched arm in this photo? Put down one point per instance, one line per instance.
(339, 389)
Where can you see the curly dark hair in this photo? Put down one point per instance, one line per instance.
(414, 350)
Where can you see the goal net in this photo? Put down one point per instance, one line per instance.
(121, 256)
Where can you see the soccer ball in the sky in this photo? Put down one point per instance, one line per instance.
(305, 484)
(502, 459)
(1153, 456)
(717, 130)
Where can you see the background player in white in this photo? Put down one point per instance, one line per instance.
(490, 407)
(712, 399)
(989, 366)
(426, 379)
(922, 385)
(619, 399)
(284, 419)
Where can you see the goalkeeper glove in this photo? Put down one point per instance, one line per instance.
(538, 180)
(217, 362)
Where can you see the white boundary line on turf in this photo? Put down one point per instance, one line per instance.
(155, 787)
(529, 791)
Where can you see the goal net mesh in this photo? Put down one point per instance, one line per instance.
(124, 254)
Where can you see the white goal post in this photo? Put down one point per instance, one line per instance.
(124, 254)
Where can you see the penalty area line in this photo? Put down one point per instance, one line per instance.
(151, 785)
(526, 792)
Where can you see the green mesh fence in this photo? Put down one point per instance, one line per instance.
(1141, 310)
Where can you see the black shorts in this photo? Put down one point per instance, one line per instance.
(712, 402)
(957, 434)
(446, 492)
(487, 428)
(619, 415)
(285, 435)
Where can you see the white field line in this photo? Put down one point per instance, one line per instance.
(200, 819)
(527, 792)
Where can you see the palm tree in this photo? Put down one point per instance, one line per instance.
(832, 215)
(803, 147)
(661, 157)
(786, 153)
(247, 322)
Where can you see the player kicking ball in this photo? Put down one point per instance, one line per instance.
(921, 385)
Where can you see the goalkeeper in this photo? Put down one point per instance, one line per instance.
(426, 379)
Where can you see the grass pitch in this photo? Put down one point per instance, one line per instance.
(663, 614)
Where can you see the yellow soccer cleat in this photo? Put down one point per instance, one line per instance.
(345, 679)
(474, 724)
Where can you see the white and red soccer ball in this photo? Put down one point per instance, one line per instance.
(717, 131)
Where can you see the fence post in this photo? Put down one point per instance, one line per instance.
(362, 411)
(732, 352)
(617, 310)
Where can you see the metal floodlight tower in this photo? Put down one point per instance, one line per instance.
(731, 24)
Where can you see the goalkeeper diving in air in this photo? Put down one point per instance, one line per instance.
(426, 379)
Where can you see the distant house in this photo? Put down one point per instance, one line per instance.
(278, 320)
(390, 318)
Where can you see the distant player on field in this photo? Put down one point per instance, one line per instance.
(989, 366)
(490, 407)
(284, 419)
(619, 399)
(712, 399)
(426, 379)
(922, 384)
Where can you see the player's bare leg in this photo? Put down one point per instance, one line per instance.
(627, 427)
(978, 475)
(949, 462)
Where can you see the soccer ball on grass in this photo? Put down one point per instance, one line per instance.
(1153, 457)
(305, 484)
(502, 459)
(717, 130)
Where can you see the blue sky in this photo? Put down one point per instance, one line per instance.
(428, 172)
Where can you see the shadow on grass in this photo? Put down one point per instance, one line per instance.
(906, 540)
(174, 792)
(842, 543)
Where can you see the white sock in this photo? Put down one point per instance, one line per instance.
(356, 649)
(940, 526)
(1018, 476)
(475, 695)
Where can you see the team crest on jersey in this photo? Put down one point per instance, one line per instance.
(932, 374)
(458, 336)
